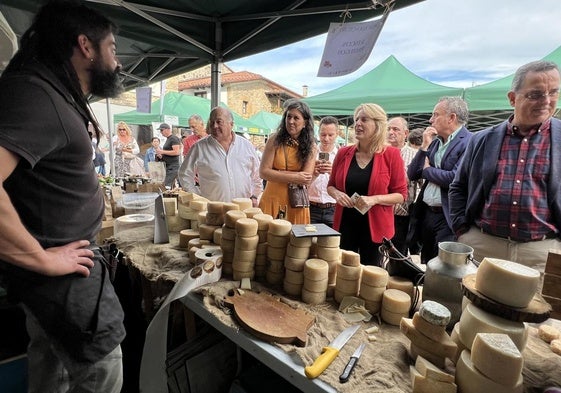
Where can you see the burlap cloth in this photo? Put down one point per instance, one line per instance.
(384, 365)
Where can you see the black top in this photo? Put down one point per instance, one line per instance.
(172, 140)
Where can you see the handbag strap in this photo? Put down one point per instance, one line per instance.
(285, 158)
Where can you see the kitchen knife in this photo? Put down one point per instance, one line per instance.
(330, 352)
(351, 364)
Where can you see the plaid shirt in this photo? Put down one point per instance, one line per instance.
(517, 207)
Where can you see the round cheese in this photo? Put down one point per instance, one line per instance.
(263, 221)
(261, 248)
(243, 203)
(350, 287)
(277, 241)
(232, 216)
(237, 276)
(246, 227)
(198, 205)
(374, 276)
(228, 233)
(507, 282)
(315, 285)
(275, 266)
(215, 207)
(350, 258)
(276, 253)
(262, 235)
(313, 297)
(470, 380)
(297, 252)
(274, 278)
(228, 245)
(338, 295)
(186, 235)
(373, 294)
(293, 277)
(348, 272)
(495, 356)
(372, 307)
(435, 313)
(396, 301)
(247, 242)
(401, 283)
(177, 223)
(304, 241)
(296, 264)
(316, 270)
(328, 241)
(243, 266)
(186, 212)
(329, 253)
(217, 236)
(201, 217)
(474, 320)
(280, 227)
(392, 318)
(455, 336)
(226, 207)
(252, 211)
(244, 255)
(206, 232)
(427, 329)
(214, 218)
(292, 288)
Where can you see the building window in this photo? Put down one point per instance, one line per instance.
(244, 107)
(201, 94)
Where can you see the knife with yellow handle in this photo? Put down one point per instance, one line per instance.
(330, 352)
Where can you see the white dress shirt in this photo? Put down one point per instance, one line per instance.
(317, 191)
(222, 175)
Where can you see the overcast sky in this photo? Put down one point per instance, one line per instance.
(456, 43)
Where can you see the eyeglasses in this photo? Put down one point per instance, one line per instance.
(121, 129)
(540, 95)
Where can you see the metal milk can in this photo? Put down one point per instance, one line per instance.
(443, 276)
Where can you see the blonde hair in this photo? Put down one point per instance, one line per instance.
(378, 142)
(124, 125)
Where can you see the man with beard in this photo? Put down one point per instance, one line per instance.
(51, 203)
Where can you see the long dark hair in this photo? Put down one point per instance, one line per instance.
(306, 140)
(51, 39)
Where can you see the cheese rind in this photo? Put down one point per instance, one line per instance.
(396, 301)
(445, 348)
(470, 380)
(429, 370)
(422, 384)
(495, 356)
(507, 282)
(432, 331)
(434, 313)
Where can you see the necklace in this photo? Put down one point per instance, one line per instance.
(362, 161)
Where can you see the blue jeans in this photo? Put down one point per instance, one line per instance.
(54, 371)
(319, 215)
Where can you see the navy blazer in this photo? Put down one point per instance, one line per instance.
(444, 175)
(475, 177)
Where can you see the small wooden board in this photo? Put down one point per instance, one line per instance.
(537, 311)
(269, 319)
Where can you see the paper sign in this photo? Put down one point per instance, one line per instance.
(143, 99)
(348, 46)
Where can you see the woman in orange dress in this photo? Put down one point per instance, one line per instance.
(289, 157)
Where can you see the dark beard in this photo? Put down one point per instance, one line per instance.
(105, 83)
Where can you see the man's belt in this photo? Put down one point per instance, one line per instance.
(322, 205)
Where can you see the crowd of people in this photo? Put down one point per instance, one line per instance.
(496, 190)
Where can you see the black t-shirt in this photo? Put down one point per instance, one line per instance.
(172, 140)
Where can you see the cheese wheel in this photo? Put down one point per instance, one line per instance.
(243, 203)
(261, 259)
(244, 255)
(275, 266)
(432, 331)
(247, 242)
(370, 293)
(280, 227)
(424, 384)
(350, 258)
(232, 216)
(186, 235)
(228, 245)
(507, 282)
(548, 333)
(228, 233)
(217, 236)
(262, 235)
(392, 318)
(277, 241)
(474, 320)
(329, 253)
(226, 207)
(328, 241)
(313, 297)
(170, 206)
(296, 264)
(401, 283)
(292, 288)
(350, 287)
(243, 266)
(184, 197)
(396, 301)
(434, 313)
(316, 269)
(495, 356)
(276, 253)
(201, 217)
(215, 207)
(274, 278)
(186, 212)
(246, 227)
(214, 218)
(304, 241)
(372, 307)
(297, 252)
(198, 205)
(470, 380)
(263, 221)
(431, 371)
(252, 211)
(177, 223)
(445, 348)
(348, 272)
(455, 336)
(374, 276)
(206, 232)
(315, 285)
(261, 248)
(293, 277)
(415, 352)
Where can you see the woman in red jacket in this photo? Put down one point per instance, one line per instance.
(367, 179)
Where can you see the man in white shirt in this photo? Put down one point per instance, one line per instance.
(322, 205)
(226, 164)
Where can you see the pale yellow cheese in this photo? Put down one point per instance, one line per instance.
(296, 264)
(186, 235)
(328, 241)
(297, 252)
(206, 232)
(243, 203)
(455, 336)
(401, 283)
(507, 282)
(274, 278)
(372, 306)
(170, 206)
(304, 241)
(275, 266)
(280, 227)
(431, 371)
(548, 333)
(373, 294)
(432, 331)
(214, 218)
(292, 288)
(348, 272)
(186, 212)
(228, 245)
(446, 348)
(198, 205)
(374, 276)
(201, 217)
(276, 240)
(263, 221)
(315, 285)
(495, 356)
(396, 301)
(226, 207)
(276, 253)
(214, 207)
(313, 297)
(228, 233)
(347, 286)
(316, 269)
(246, 227)
(350, 258)
(329, 253)
(244, 255)
(177, 223)
(293, 277)
(469, 380)
(415, 352)
(232, 216)
(392, 318)
(217, 236)
(247, 242)
(422, 384)
(252, 211)
(474, 320)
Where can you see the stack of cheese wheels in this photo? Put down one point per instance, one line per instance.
(174, 222)
(215, 213)
(297, 253)
(426, 377)
(372, 286)
(263, 221)
(228, 243)
(277, 240)
(316, 272)
(395, 305)
(245, 248)
(206, 231)
(347, 281)
(494, 365)
(226, 207)
(403, 284)
(429, 323)
(243, 203)
(184, 209)
(327, 248)
(197, 205)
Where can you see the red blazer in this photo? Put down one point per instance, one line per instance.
(387, 177)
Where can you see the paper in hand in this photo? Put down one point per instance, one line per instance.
(355, 197)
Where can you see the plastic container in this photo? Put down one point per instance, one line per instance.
(139, 202)
(443, 276)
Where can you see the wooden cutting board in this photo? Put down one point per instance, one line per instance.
(269, 319)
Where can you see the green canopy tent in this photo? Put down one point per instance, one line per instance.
(390, 85)
(183, 106)
(267, 120)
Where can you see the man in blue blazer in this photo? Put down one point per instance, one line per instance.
(505, 200)
(437, 160)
